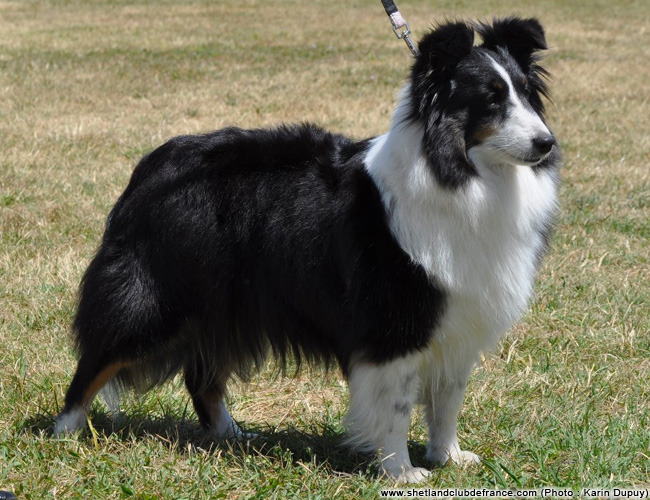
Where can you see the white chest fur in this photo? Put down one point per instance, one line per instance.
(480, 243)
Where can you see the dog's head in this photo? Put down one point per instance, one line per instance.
(481, 103)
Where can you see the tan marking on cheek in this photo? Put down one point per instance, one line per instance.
(482, 134)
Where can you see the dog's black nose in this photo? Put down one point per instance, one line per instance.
(543, 143)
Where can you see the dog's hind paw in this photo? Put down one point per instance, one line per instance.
(241, 435)
(69, 422)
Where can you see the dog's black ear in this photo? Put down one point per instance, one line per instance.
(520, 37)
(431, 85)
(445, 46)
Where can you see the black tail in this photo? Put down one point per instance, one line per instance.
(123, 327)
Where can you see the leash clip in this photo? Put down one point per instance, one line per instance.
(401, 28)
(405, 34)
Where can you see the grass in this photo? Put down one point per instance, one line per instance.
(86, 87)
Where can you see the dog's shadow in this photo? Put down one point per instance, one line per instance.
(320, 445)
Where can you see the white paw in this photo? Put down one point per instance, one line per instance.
(463, 457)
(408, 475)
(244, 436)
(69, 422)
(440, 456)
(231, 431)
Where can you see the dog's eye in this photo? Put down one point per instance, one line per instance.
(494, 98)
(496, 93)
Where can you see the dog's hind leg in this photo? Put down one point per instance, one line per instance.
(208, 399)
(381, 399)
(90, 377)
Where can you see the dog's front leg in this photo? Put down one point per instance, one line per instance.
(381, 399)
(442, 397)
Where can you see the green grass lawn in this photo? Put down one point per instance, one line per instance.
(86, 87)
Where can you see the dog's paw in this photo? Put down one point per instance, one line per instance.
(246, 435)
(233, 432)
(69, 422)
(464, 457)
(440, 456)
(414, 475)
(408, 475)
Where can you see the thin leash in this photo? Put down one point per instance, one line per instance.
(400, 26)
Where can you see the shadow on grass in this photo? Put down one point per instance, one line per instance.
(321, 445)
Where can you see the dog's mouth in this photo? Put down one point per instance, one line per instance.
(522, 159)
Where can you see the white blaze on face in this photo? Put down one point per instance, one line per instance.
(513, 141)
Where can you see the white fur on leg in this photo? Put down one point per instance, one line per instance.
(395, 460)
(443, 398)
(224, 427)
(70, 421)
(111, 395)
(381, 400)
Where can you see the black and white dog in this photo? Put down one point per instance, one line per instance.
(402, 257)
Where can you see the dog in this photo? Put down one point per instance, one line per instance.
(401, 258)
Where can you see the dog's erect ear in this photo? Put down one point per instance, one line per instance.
(445, 46)
(520, 37)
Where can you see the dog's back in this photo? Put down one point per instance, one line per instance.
(226, 245)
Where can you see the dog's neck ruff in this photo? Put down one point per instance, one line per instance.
(481, 242)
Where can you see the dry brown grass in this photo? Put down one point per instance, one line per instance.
(87, 87)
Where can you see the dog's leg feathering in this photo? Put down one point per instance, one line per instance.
(381, 400)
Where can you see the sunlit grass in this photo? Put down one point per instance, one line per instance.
(87, 87)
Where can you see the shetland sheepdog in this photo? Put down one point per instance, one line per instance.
(401, 258)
